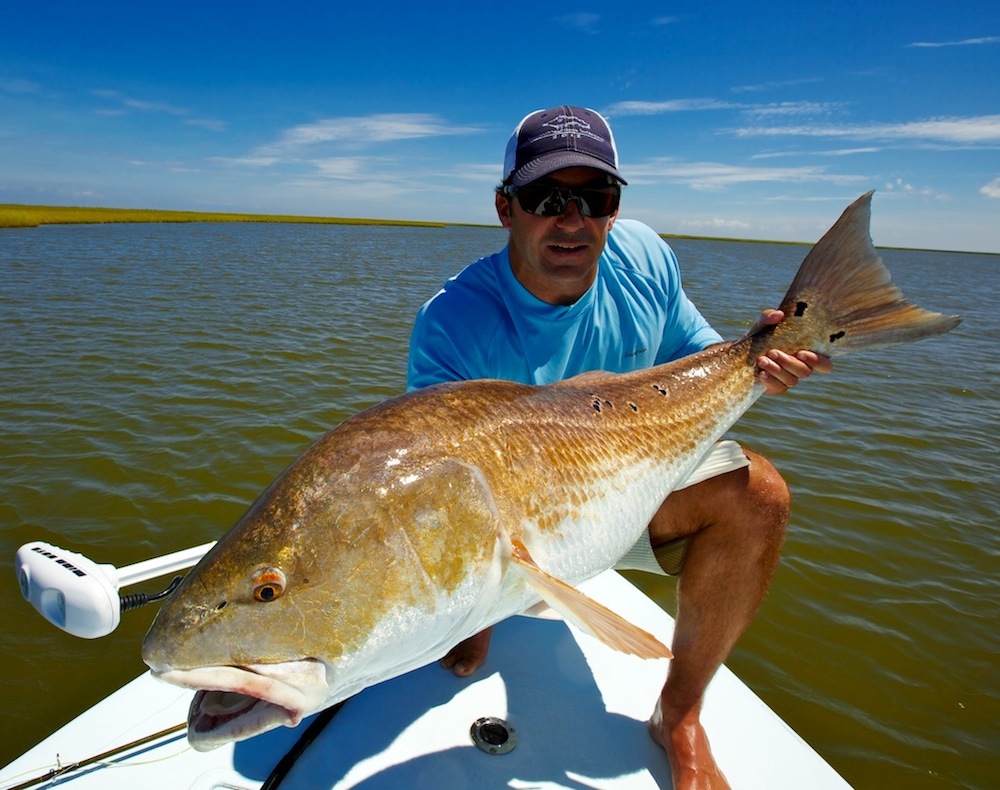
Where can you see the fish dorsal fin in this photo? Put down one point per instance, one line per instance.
(586, 613)
(588, 376)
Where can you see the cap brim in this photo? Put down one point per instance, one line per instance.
(560, 160)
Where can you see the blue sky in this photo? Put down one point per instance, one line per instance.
(755, 120)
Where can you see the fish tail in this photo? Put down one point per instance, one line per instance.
(843, 300)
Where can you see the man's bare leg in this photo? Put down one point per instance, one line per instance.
(738, 523)
(467, 656)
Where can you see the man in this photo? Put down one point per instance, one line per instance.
(576, 290)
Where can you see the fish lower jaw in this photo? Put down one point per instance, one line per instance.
(234, 703)
(219, 717)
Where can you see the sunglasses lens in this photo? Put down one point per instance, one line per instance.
(551, 201)
(599, 202)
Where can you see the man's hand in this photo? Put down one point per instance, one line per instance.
(778, 371)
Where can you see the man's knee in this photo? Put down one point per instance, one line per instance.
(767, 494)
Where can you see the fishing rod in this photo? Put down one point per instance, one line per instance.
(81, 596)
(61, 769)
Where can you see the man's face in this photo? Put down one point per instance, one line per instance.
(555, 258)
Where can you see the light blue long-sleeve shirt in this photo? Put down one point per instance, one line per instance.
(484, 324)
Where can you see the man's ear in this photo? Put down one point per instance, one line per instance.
(503, 209)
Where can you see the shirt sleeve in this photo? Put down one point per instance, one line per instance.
(461, 333)
(685, 329)
(434, 357)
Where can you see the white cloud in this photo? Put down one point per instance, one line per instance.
(124, 105)
(870, 149)
(359, 131)
(715, 175)
(329, 149)
(963, 43)
(972, 130)
(141, 105)
(207, 123)
(789, 108)
(716, 223)
(794, 108)
(900, 187)
(662, 107)
(771, 86)
(247, 161)
(992, 189)
(342, 167)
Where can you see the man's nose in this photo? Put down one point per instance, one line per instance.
(572, 215)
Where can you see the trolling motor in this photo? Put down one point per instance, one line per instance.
(80, 596)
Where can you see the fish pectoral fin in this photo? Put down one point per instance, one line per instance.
(585, 613)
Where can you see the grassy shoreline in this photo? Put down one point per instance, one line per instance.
(24, 216)
(15, 215)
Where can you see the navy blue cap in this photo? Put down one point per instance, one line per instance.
(550, 140)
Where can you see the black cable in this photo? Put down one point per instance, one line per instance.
(291, 757)
(135, 600)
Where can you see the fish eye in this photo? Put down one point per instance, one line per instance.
(268, 584)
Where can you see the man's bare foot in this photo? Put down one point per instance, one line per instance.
(692, 765)
(466, 657)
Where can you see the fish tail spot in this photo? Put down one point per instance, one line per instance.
(633, 407)
(800, 308)
(837, 335)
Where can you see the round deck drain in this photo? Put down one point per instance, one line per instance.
(493, 735)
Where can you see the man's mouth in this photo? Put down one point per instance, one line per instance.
(567, 248)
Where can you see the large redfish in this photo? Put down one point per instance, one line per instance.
(421, 521)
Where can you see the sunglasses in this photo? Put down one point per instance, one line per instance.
(549, 200)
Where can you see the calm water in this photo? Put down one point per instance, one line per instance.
(154, 379)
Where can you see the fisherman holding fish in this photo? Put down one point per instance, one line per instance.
(578, 290)
(401, 535)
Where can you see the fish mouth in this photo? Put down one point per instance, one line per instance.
(233, 703)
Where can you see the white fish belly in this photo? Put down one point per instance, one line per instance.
(617, 504)
(593, 536)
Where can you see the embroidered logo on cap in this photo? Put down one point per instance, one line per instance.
(567, 126)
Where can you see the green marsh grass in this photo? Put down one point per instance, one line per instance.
(20, 216)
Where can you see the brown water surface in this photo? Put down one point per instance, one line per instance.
(155, 378)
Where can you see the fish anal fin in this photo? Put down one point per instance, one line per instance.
(585, 613)
(542, 611)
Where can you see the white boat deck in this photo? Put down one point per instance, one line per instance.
(578, 708)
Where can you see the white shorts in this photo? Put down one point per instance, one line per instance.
(666, 560)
